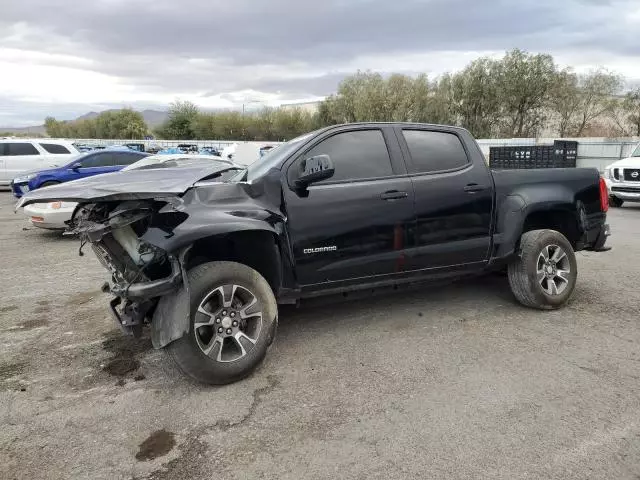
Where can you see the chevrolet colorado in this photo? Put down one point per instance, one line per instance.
(204, 255)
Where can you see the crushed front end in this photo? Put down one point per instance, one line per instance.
(141, 272)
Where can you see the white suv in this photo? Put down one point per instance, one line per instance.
(623, 179)
(18, 155)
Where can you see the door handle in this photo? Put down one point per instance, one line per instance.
(473, 188)
(393, 195)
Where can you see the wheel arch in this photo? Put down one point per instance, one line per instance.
(257, 249)
(519, 214)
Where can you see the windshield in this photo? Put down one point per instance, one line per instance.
(274, 157)
(636, 152)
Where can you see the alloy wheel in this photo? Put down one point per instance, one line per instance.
(228, 323)
(553, 270)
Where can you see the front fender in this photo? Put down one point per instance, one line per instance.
(207, 212)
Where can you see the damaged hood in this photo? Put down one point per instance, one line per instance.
(125, 185)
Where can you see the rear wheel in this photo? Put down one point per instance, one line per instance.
(615, 202)
(545, 273)
(233, 322)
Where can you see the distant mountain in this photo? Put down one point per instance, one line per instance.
(33, 130)
(153, 118)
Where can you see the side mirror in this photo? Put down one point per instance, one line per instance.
(314, 169)
(76, 166)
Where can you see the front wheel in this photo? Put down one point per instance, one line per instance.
(233, 321)
(545, 272)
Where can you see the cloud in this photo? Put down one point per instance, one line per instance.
(62, 52)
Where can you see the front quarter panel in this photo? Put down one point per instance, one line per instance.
(215, 209)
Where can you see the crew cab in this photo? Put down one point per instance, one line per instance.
(204, 255)
(623, 179)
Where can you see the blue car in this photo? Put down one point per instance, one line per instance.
(87, 165)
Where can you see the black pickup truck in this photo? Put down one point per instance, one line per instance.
(205, 253)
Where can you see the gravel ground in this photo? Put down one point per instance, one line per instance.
(452, 382)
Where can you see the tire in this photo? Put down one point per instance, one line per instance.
(48, 184)
(527, 286)
(615, 202)
(233, 357)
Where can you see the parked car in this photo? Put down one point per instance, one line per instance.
(54, 215)
(188, 147)
(266, 149)
(139, 147)
(177, 160)
(623, 179)
(204, 255)
(21, 155)
(83, 147)
(210, 151)
(153, 149)
(87, 165)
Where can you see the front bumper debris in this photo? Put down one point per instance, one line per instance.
(135, 302)
(155, 288)
(130, 317)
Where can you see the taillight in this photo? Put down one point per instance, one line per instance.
(604, 195)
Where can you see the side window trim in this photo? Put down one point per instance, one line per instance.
(411, 170)
(92, 157)
(46, 145)
(386, 138)
(33, 145)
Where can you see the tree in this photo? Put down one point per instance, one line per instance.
(179, 124)
(475, 98)
(595, 93)
(122, 124)
(439, 107)
(565, 100)
(631, 106)
(524, 82)
(129, 124)
(53, 127)
(582, 101)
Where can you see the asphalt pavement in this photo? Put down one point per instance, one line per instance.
(449, 382)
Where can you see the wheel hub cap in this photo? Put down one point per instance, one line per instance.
(226, 322)
(554, 269)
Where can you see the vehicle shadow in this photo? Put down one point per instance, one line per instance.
(51, 235)
(335, 308)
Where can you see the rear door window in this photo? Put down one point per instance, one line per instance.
(55, 149)
(433, 151)
(15, 149)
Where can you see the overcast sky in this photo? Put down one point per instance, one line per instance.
(67, 57)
